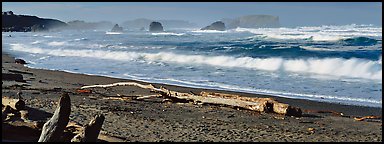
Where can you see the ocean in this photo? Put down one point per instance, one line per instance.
(337, 64)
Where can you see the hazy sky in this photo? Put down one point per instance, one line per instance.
(204, 13)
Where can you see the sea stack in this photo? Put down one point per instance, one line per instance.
(220, 26)
(155, 27)
(117, 28)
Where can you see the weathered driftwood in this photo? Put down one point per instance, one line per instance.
(5, 111)
(256, 104)
(121, 84)
(17, 104)
(31, 126)
(12, 77)
(147, 97)
(91, 131)
(54, 128)
(335, 113)
(366, 117)
(20, 72)
(84, 91)
(24, 115)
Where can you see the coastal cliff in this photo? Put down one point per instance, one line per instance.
(26, 23)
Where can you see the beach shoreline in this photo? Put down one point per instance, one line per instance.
(156, 121)
(353, 110)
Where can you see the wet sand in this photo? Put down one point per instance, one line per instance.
(153, 120)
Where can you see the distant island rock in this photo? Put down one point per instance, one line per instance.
(138, 24)
(220, 26)
(117, 28)
(253, 21)
(156, 27)
(26, 23)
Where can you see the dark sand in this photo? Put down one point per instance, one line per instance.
(152, 120)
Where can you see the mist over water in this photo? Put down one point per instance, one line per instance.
(341, 64)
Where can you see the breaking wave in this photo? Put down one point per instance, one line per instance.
(337, 67)
(359, 41)
(322, 33)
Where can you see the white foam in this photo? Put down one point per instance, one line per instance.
(56, 43)
(208, 31)
(168, 33)
(80, 39)
(44, 57)
(113, 33)
(319, 49)
(337, 67)
(321, 33)
(36, 42)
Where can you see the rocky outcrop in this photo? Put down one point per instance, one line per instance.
(156, 27)
(253, 21)
(24, 23)
(20, 61)
(137, 24)
(220, 26)
(117, 28)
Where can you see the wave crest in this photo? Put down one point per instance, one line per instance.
(337, 67)
(322, 33)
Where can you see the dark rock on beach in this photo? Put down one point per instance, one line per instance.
(20, 61)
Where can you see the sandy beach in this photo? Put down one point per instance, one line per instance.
(153, 120)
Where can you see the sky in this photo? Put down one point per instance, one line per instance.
(290, 14)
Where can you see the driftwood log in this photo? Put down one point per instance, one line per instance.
(258, 104)
(54, 128)
(366, 117)
(28, 125)
(255, 104)
(90, 131)
(12, 77)
(17, 104)
(5, 111)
